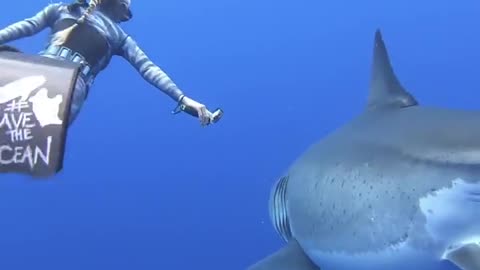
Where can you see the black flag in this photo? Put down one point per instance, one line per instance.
(35, 97)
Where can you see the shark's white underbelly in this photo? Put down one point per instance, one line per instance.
(453, 214)
(400, 258)
(451, 219)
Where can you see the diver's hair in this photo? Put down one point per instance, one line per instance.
(76, 5)
(61, 36)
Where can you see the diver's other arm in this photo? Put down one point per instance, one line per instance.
(158, 78)
(30, 26)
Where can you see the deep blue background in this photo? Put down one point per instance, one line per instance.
(142, 189)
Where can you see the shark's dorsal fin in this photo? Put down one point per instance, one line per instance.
(385, 89)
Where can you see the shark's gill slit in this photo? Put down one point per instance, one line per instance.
(278, 209)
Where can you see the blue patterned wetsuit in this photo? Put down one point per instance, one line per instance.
(116, 42)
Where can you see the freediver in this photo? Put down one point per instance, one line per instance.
(90, 34)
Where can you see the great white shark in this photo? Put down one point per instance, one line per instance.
(398, 187)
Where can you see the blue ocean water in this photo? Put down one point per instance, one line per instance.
(142, 189)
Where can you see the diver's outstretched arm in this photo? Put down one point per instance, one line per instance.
(30, 26)
(149, 71)
(155, 76)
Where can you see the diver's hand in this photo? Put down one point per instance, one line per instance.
(204, 115)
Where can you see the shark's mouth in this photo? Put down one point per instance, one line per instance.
(462, 159)
(458, 157)
(473, 195)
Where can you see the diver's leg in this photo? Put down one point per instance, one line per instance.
(8, 48)
(78, 98)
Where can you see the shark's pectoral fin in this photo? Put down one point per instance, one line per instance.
(467, 257)
(290, 257)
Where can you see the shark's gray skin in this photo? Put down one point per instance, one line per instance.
(396, 188)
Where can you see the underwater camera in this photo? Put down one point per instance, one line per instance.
(216, 115)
